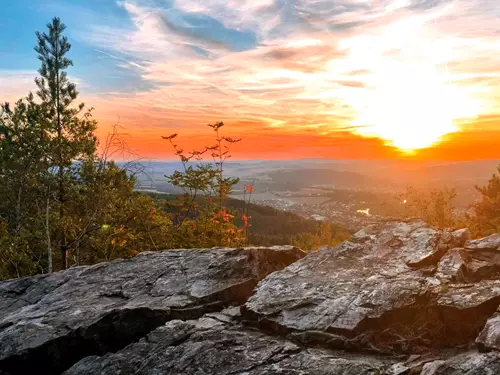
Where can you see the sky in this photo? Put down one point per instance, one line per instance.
(348, 79)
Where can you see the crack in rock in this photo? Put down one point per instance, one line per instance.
(208, 346)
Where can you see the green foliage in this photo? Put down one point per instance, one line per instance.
(22, 167)
(326, 235)
(487, 220)
(270, 226)
(23, 170)
(201, 218)
(17, 258)
(435, 207)
(56, 191)
(67, 130)
(130, 224)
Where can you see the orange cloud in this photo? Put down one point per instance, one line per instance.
(348, 79)
(398, 72)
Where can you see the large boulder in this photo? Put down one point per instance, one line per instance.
(49, 322)
(393, 287)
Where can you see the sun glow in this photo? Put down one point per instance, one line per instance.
(412, 107)
(409, 99)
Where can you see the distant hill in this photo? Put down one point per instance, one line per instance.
(330, 177)
(383, 176)
(270, 226)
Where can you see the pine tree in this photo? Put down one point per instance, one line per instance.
(70, 136)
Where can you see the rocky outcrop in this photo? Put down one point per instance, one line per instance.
(49, 322)
(398, 298)
(394, 287)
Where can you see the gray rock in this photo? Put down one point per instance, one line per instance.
(479, 260)
(209, 346)
(453, 266)
(49, 322)
(374, 292)
(16, 294)
(401, 288)
(471, 363)
(398, 369)
(490, 243)
(489, 338)
(460, 237)
(415, 363)
(485, 258)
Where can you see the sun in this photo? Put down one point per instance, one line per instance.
(411, 107)
(409, 98)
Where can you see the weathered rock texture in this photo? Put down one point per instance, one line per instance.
(393, 287)
(49, 322)
(398, 298)
(214, 345)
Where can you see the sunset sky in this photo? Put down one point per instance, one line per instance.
(367, 79)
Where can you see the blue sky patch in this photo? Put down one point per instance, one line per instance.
(207, 29)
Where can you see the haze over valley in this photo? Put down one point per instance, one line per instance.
(337, 190)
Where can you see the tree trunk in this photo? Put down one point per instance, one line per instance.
(62, 234)
(47, 232)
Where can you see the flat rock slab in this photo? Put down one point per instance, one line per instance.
(214, 346)
(49, 322)
(380, 291)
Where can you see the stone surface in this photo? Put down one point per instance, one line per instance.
(217, 344)
(489, 338)
(488, 243)
(377, 291)
(485, 254)
(471, 363)
(461, 236)
(50, 321)
(212, 345)
(453, 266)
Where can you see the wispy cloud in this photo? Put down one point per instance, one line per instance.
(304, 68)
(128, 62)
(16, 84)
